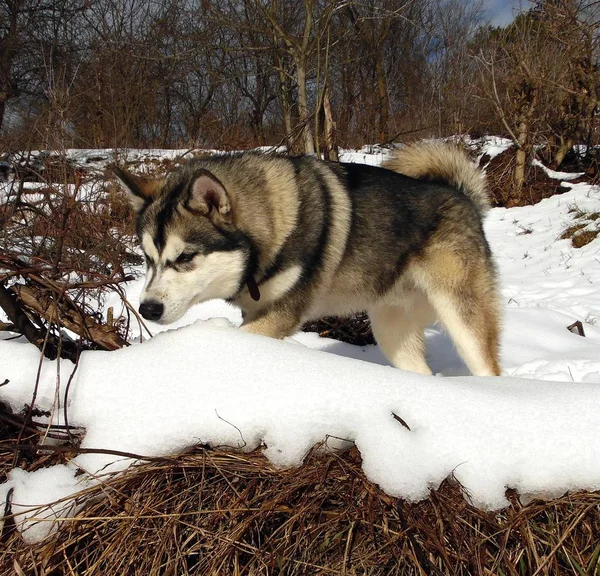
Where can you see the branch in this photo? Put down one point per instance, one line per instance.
(20, 320)
(496, 98)
(58, 449)
(23, 325)
(65, 313)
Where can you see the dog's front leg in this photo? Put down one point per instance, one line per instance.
(277, 322)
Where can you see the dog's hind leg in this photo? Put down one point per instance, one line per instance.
(398, 329)
(464, 296)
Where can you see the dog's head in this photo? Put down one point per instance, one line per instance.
(186, 225)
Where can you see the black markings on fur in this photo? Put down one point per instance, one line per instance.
(354, 178)
(168, 207)
(308, 242)
(393, 220)
(315, 260)
(151, 266)
(251, 260)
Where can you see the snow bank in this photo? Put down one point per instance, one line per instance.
(223, 387)
(536, 429)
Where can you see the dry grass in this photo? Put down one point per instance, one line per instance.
(584, 238)
(354, 330)
(584, 231)
(211, 512)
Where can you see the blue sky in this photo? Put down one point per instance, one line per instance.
(501, 12)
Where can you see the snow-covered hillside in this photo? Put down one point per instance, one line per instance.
(535, 429)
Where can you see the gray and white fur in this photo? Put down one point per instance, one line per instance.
(293, 239)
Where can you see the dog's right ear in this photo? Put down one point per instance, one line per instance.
(141, 191)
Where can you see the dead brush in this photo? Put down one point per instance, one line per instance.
(215, 512)
(537, 185)
(84, 227)
(63, 245)
(353, 330)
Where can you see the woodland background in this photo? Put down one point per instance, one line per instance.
(309, 74)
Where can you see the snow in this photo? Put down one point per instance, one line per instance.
(489, 146)
(535, 429)
(208, 384)
(557, 175)
(372, 155)
(45, 495)
(537, 268)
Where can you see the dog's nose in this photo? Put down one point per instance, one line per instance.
(151, 310)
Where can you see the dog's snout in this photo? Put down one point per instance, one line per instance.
(151, 310)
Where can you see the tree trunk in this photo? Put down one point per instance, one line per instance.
(284, 95)
(329, 130)
(305, 131)
(8, 51)
(384, 101)
(563, 150)
(520, 160)
(3, 99)
(519, 175)
(524, 147)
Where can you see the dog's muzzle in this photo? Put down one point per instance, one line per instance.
(151, 310)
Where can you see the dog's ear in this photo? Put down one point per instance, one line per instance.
(141, 190)
(209, 197)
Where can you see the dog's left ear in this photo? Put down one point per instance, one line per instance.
(142, 191)
(209, 197)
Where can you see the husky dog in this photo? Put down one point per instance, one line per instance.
(294, 239)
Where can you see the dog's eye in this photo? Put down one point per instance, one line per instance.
(185, 257)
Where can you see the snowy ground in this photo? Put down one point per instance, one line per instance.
(535, 429)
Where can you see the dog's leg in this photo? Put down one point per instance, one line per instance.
(465, 299)
(474, 333)
(398, 330)
(277, 322)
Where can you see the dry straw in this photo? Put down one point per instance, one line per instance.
(211, 512)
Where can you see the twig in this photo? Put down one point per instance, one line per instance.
(347, 548)
(576, 328)
(46, 342)
(66, 398)
(71, 317)
(77, 450)
(397, 418)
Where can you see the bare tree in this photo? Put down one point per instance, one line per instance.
(374, 21)
(299, 40)
(572, 26)
(36, 38)
(515, 68)
(9, 48)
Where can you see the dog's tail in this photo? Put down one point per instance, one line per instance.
(442, 163)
